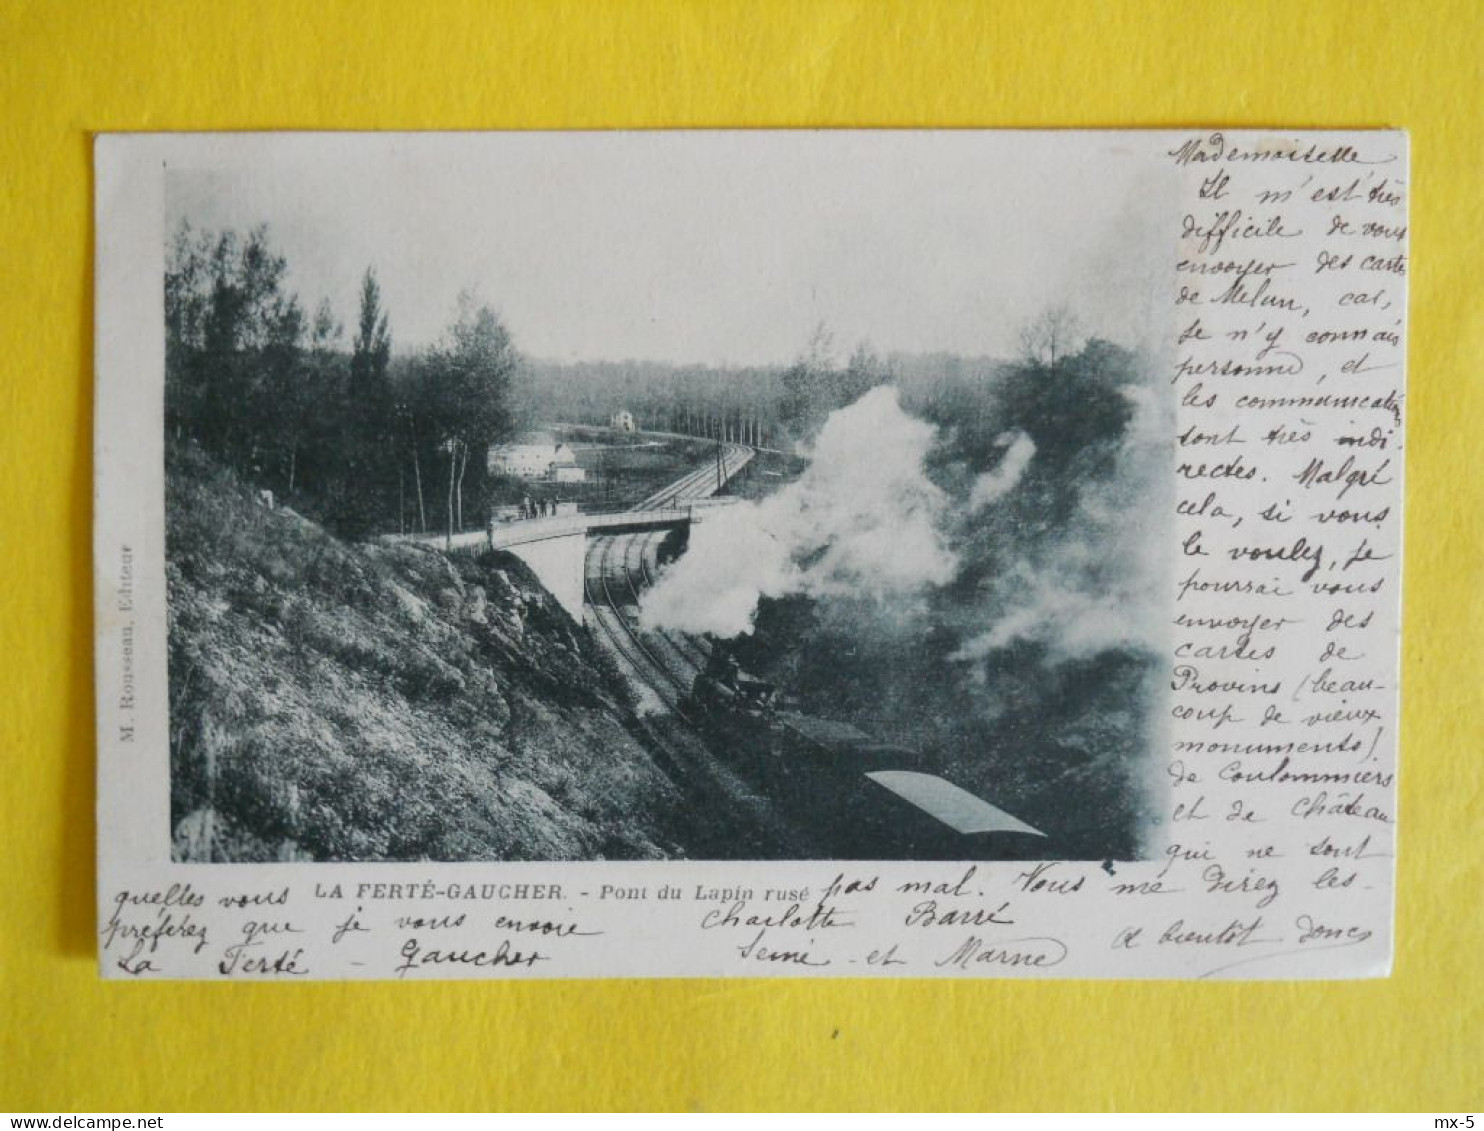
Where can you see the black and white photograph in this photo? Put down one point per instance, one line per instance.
(681, 496)
(757, 553)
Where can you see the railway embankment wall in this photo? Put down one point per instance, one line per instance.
(558, 563)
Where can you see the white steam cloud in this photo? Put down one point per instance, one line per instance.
(863, 520)
(1101, 584)
(995, 485)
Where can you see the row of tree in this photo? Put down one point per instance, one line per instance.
(767, 406)
(369, 441)
(355, 437)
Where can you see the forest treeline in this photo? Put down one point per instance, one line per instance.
(361, 439)
(368, 438)
(770, 406)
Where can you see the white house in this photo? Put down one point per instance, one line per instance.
(623, 420)
(536, 455)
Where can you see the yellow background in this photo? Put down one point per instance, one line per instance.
(70, 1042)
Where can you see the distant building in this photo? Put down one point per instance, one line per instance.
(536, 455)
(623, 420)
(528, 456)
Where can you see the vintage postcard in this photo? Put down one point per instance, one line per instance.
(798, 553)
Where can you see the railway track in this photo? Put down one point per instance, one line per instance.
(734, 819)
(642, 549)
(661, 666)
(740, 822)
(653, 674)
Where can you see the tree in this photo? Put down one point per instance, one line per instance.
(469, 389)
(372, 349)
(232, 332)
(815, 386)
(862, 373)
(1075, 413)
(187, 298)
(370, 413)
(302, 420)
(806, 390)
(1052, 335)
(406, 376)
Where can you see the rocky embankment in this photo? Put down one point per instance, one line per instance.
(337, 701)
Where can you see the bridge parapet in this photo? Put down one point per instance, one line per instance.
(564, 526)
(503, 535)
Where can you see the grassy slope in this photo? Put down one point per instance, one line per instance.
(348, 702)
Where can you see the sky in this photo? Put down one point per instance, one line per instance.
(696, 247)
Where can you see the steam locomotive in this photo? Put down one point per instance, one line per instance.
(866, 795)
